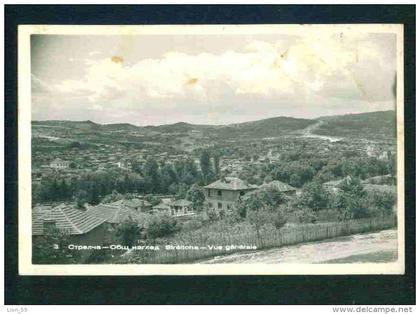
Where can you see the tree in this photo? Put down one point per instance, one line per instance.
(392, 164)
(128, 232)
(136, 166)
(52, 248)
(181, 191)
(258, 218)
(162, 226)
(381, 202)
(314, 196)
(216, 162)
(113, 197)
(168, 177)
(196, 195)
(249, 203)
(153, 200)
(261, 217)
(262, 207)
(351, 199)
(81, 198)
(93, 195)
(306, 215)
(151, 171)
(279, 219)
(266, 199)
(205, 165)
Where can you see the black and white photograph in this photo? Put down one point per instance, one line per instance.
(211, 149)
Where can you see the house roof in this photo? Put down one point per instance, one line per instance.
(278, 186)
(67, 219)
(115, 212)
(134, 203)
(336, 183)
(58, 159)
(163, 206)
(180, 203)
(230, 183)
(380, 188)
(333, 182)
(376, 179)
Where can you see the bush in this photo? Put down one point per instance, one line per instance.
(153, 200)
(306, 215)
(196, 195)
(113, 197)
(232, 217)
(212, 214)
(267, 200)
(351, 200)
(381, 202)
(191, 225)
(128, 232)
(314, 196)
(52, 248)
(162, 226)
(279, 220)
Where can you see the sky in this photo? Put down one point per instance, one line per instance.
(210, 79)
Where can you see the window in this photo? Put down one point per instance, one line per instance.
(219, 193)
(210, 204)
(219, 205)
(209, 192)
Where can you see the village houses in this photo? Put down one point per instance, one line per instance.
(59, 164)
(223, 193)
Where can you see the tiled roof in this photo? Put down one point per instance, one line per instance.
(278, 186)
(380, 188)
(230, 183)
(115, 212)
(135, 202)
(336, 183)
(180, 203)
(67, 219)
(37, 223)
(104, 211)
(161, 206)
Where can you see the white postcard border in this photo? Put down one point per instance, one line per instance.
(24, 155)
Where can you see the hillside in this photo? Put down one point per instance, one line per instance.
(371, 125)
(119, 127)
(256, 129)
(81, 125)
(270, 127)
(179, 127)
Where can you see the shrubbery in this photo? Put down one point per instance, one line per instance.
(52, 248)
(128, 232)
(162, 226)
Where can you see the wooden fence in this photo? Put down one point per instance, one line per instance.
(268, 238)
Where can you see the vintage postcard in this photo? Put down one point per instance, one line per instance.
(211, 149)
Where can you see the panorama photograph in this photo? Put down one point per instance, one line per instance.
(214, 148)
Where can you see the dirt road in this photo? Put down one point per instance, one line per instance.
(369, 247)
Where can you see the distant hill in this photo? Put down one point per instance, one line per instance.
(119, 127)
(270, 127)
(179, 127)
(82, 125)
(372, 125)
